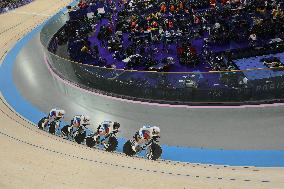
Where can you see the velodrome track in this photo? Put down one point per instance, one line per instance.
(34, 159)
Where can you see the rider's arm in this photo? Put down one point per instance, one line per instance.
(155, 138)
(115, 131)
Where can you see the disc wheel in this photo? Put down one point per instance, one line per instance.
(155, 151)
(52, 128)
(112, 144)
(40, 123)
(127, 149)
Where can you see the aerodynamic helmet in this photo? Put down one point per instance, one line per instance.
(116, 125)
(156, 131)
(85, 120)
(60, 113)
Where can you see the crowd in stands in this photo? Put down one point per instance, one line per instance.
(6, 5)
(157, 34)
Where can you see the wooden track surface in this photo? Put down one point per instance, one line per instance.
(34, 159)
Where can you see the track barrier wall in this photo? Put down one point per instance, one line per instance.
(192, 88)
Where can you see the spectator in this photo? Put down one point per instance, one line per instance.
(252, 40)
(6, 5)
(82, 4)
(166, 24)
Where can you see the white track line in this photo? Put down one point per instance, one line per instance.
(31, 13)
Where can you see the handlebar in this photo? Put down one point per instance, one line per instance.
(154, 139)
(109, 135)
